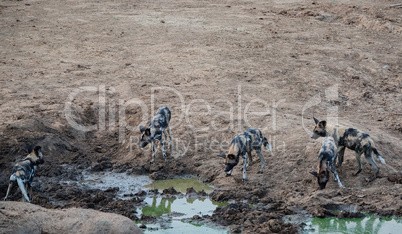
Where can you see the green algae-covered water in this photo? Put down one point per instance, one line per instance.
(171, 211)
(371, 225)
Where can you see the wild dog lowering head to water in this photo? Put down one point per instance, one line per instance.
(238, 147)
(23, 173)
(351, 138)
(327, 156)
(242, 145)
(158, 125)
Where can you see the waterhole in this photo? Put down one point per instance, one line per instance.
(368, 224)
(173, 213)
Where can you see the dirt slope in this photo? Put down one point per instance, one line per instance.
(215, 64)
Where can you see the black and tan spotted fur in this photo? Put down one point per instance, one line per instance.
(24, 172)
(158, 125)
(241, 146)
(327, 156)
(257, 140)
(353, 139)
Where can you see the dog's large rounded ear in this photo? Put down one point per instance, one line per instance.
(314, 173)
(322, 124)
(148, 132)
(316, 120)
(142, 129)
(222, 155)
(37, 149)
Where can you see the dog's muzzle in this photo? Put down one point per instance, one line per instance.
(229, 167)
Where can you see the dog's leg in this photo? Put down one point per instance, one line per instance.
(10, 186)
(370, 159)
(262, 161)
(244, 167)
(153, 152)
(29, 189)
(341, 151)
(170, 138)
(332, 169)
(163, 148)
(359, 163)
(22, 188)
(250, 159)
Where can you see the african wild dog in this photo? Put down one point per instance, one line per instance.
(23, 173)
(351, 138)
(158, 124)
(327, 156)
(257, 140)
(242, 145)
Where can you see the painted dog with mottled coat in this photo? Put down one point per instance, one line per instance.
(242, 145)
(327, 156)
(24, 172)
(158, 125)
(353, 139)
(257, 140)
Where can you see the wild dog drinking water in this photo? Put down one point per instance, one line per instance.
(353, 139)
(327, 156)
(158, 125)
(241, 146)
(24, 172)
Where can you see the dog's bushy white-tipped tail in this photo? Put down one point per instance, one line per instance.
(269, 147)
(379, 158)
(21, 185)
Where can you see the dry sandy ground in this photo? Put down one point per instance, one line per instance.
(221, 67)
(17, 217)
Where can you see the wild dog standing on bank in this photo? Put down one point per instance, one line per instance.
(351, 138)
(242, 145)
(23, 173)
(158, 124)
(257, 140)
(327, 156)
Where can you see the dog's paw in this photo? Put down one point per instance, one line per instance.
(228, 175)
(369, 179)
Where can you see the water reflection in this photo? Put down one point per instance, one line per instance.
(155, 209)
(356, 225)
(183, 207)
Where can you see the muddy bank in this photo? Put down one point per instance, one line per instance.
(221, 67)
(17, 217)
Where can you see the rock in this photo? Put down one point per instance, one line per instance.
(191, 192)
(29, 218)
(170, 191)
(346, 214)
(141, 193)
(143, 226)
(275, 225)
